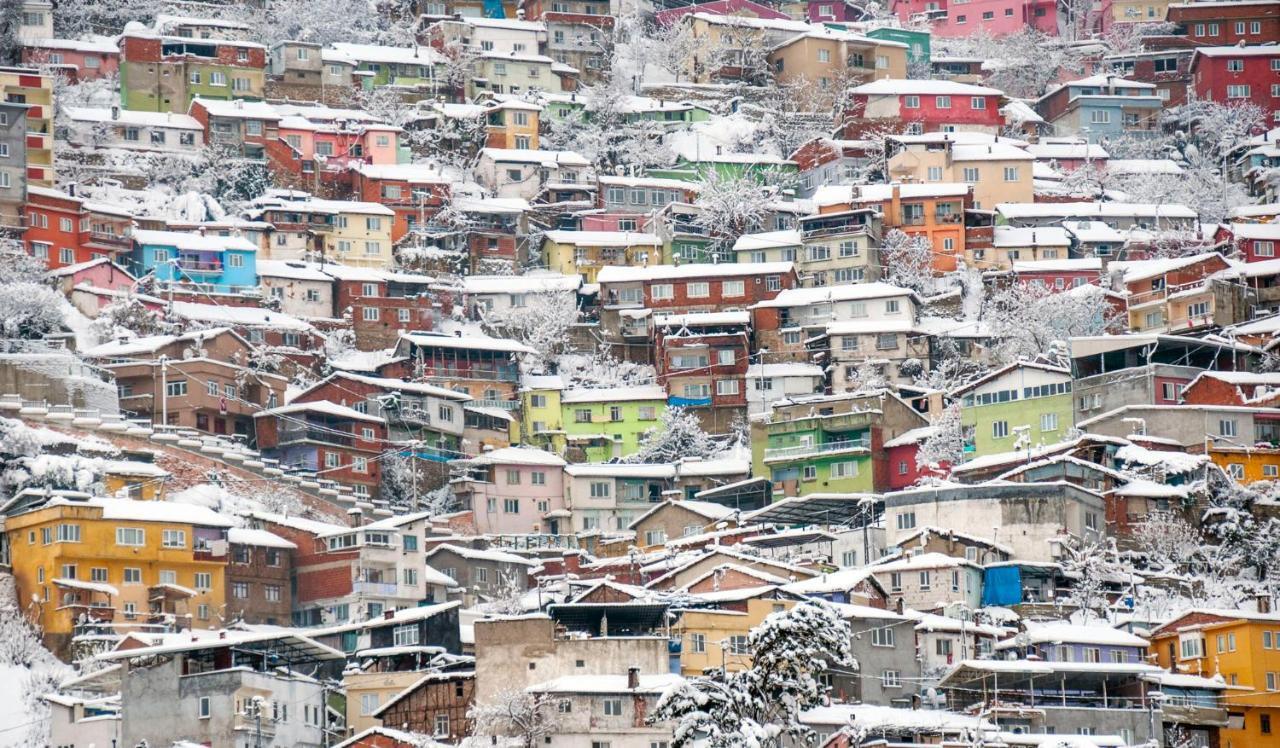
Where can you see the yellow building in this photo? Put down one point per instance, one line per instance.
(119, 561)
(360, 233)
(541, 423)
(585, 252)
(1138, 11)
(29, 86)
(718, 638)
(135, 480)
(366, 691)
(1242, 647)
(1246, 464)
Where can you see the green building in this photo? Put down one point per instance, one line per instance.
(919, 43)
(1023, 405)
(597, 425)
(829, 443)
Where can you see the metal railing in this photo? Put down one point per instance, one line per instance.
(808, 449)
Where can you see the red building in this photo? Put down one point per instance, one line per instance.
(333, 441)
(1060, 274)
(901, 453)
(1255, 242)
(920, 106)
(1227, 23)
(414, 191)
(1230, 75)
(381, 304)
(1235, 388)
(695, 287)
(63, 229)
(702, 361)
(1169, 70)
(744, 8)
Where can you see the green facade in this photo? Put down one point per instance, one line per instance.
(1047, 418)
(816, 455)
(617, 424)
(919, 43)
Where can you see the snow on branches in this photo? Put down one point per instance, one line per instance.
(760, 706)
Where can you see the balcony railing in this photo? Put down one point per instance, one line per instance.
(384, 589)
(816, 449)
(1159, 294)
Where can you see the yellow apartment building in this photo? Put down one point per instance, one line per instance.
(360, 235)
(718, 638)
(1242, 647)
(117, 561)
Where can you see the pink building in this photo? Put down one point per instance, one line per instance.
(744, 8)
(515, 491)
(995, 17)
(80, 60)
(614, 222)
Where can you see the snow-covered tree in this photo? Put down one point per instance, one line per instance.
(129, 317)
(37, 672)
(16, 265)
(29, 310)
(1167, 540)
(1022, 64)
(760, 706)
(678, 434)
(908, 261)
(732, 204)
(526, 717)
(544, 322)
(602, 369)
(944, 447)
(1092, 564)
(1030, 319)
(413, 484)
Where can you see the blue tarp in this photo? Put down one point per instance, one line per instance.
(1002, 585)
(685, 402)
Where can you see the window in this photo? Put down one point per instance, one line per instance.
(98, 574)
(271, 592)
(699, 290)
(906, 520)
(1100, 117)
(132, 576)
(612, 707)
(970, 174)
(846, 469)
(661, 292)
(1235, 66)
(1226, 427)
(405, 636)
(1191, 647)
(1048, 421)
(174, 539)
(204, 580)
(68, 571)
(68, 533)
(168, 576)
(205, 711)
(732, 288)
(1264, 724)
(942, 102)
(135, 536)
(911, 102)
(368, 704)
(890, 679)
(1237, 92)
(442, 724)
(726, 386)
(738, 645)
(999, 429)
(935, 174)
(882, 637)
(177, 388)
(1010, 173)
(601, 489)
(239, 590)
(511, 506)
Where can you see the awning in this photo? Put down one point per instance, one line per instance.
(830, 510)
(75, 584)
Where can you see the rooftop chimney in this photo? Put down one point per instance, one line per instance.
(633, 678)
(115, 111)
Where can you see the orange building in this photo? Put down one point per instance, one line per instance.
(934, 211)
(1242, 647)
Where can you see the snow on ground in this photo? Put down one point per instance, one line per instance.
(27, 672)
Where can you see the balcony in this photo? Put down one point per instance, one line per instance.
(199, 266)
(805, 450)
(1160, 294)
(381, 589)
(325, 436)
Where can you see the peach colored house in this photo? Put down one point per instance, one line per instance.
(515, 491)
(832, 59)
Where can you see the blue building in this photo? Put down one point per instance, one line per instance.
(1102, 106)
(1069, 642)
(219, 264)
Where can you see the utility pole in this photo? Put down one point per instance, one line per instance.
(164, 389)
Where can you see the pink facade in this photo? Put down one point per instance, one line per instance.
(370, 145)
(613, 222)
(745, 8)
(995, 17)
(84, 61)
(516, 491)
